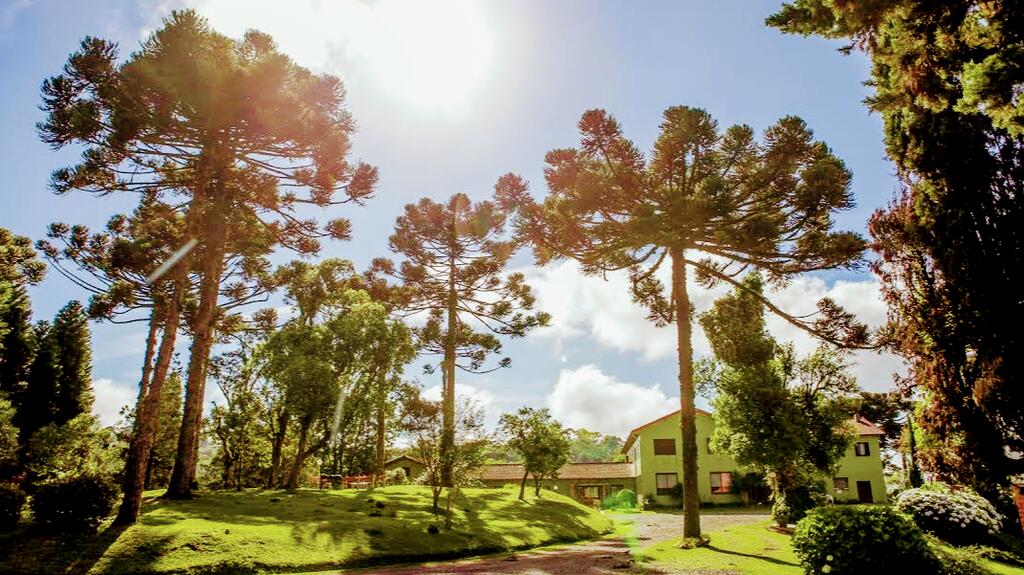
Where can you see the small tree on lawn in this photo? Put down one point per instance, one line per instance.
(542, 444)
(705, 201)
(780, 416)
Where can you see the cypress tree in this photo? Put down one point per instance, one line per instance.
(73, 346)
(37, 407)
(16, 345)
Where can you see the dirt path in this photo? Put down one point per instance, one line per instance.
(604, 556)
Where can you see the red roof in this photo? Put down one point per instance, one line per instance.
(865, 427)
(597, 470)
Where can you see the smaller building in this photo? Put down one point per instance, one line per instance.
(413, 467)
(586, 482)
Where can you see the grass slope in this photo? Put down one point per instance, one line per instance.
(254, 531)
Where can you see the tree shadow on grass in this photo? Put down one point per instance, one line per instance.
(751, 556)
(35, 551)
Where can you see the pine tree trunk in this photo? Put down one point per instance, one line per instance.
(687, 397)
(276, 448)
(300, 457)
(147, 413)
(448, 394)
(184, 470)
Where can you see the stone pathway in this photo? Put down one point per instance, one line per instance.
(600, 557)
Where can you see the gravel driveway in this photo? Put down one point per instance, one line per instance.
(600, 557)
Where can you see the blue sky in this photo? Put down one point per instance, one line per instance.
(450, 97)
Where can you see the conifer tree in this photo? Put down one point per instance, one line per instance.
(712, 203)
(16, 344)
(38, 405)
(455, 255)
(74, 355)
(234, 128)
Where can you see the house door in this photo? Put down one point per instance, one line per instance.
(864, 492)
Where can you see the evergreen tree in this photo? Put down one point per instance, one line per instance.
(713, 203)
(455, 257)
(16, 344)
(234, 126)
(946, 77)
(165, 440)
(73, 345)
(38, 406)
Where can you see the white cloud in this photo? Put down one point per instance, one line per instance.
(601, 309)
(109, 398)
(482, 397)
(588, 398)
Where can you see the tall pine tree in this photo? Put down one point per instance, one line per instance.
(38, 405)
(712, 203)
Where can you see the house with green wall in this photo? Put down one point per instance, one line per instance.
(654, 466)
(655, 451)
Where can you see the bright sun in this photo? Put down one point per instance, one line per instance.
(433, 54)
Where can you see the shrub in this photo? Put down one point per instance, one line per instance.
(862, 539)
(791, 507)
(395, 477)
(12, 500)
(626, 498)
(76, 504)
(961, 517)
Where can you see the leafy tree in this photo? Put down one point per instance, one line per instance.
(424, 422)
(779, 416)
(541, 442)
(71, 337)
(235, 425)
(455, 258)
(238, 129)
(73, 449)
(946, 80)
(708, 202)
(165, 439)
(588, 446)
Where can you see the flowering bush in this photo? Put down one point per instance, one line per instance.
(960, 517)
(854, 540)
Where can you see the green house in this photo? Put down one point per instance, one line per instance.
(654, 450)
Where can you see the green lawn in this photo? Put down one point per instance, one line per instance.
(254, 531)
(750, 549)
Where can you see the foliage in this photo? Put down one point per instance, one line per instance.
(155, 124)
(80, 446)
(73, 504)
(255, 531)
(18, 263)
(396, 477)
(590, 446)
(37, 408)
(711, 202)
(946, 80)
(855, 539)
(74, 352)
(8, 439)
(621, 499)
(12, 500)
(783, 417)
(541, 442)
(958, 516)
(455, 255)
(17, 343)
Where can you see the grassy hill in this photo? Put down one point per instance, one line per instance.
(271, 531)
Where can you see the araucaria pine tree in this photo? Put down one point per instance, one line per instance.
(455, 255)
(229, 130)
(713, 203)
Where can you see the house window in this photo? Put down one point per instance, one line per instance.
(664, 446)
(862, 449)
(590, 491)
(666, 481)
(721, 482)
(840, 483)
